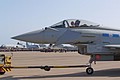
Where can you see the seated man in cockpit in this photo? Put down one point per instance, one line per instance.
(72, 24)
(75, 24)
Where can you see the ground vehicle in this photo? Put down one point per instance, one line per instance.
(5, 66)
(5, 61)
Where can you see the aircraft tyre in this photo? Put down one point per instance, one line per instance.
(89, 70)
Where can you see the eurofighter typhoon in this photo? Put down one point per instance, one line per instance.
(99, 42)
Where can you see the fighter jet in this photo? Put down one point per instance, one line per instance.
(99, 42)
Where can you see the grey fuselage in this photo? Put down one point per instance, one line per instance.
(90, 38)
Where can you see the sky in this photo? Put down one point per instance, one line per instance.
(21, 16)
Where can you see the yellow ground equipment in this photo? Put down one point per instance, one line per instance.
(5, 61)
(5, 66)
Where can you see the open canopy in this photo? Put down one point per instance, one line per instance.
(74, 23)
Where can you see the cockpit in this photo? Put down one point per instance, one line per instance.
(74, 23)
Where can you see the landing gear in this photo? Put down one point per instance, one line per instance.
(89, 70)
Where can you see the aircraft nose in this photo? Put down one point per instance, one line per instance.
(35, 36)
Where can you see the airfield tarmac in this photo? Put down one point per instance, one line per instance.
(103, 70)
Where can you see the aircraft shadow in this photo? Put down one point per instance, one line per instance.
(100, 73)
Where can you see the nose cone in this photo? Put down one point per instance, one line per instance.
(46, 36)
(35, 37)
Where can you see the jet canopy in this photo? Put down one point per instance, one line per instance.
(74, 23)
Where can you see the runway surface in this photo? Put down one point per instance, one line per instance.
(103, 70)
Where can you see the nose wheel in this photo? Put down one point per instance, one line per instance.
(89, 70)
